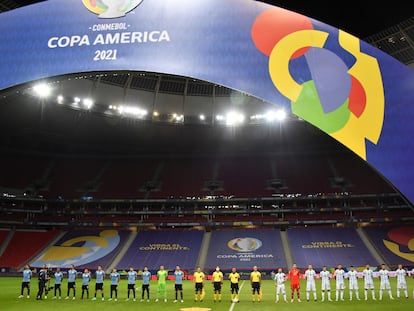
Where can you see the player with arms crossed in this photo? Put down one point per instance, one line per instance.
(294, 277)
(280, 278)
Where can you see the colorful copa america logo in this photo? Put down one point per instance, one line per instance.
(244, 244)
(111, 8)
(344, 98)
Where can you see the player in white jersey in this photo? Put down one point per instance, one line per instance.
(325, 276)
(401, 282)
(310, 275)
(340, 282)
(384, 282)
(412, 274)
(280, 278)
(353, 283)
(368, 276)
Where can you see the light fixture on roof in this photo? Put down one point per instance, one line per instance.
(42, 90)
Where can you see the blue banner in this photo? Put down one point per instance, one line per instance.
(349, 89)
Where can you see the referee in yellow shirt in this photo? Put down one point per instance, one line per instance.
(255, 280)
(199, 277)
(217, 280)
(234, 277)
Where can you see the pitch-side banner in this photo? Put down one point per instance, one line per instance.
(349, 89)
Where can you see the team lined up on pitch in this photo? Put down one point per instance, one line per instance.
(293, 276)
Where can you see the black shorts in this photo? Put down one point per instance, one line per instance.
(256, 286)
(234, 287)
(114, 287)
(217, 285)
(178, 286)
(85, 287)
(131, 286)
(99, 286)
(71, 284)
(57, 286)
(145, 287)
(198, 286)
(25, 284)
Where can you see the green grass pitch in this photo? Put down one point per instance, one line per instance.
(10, 290)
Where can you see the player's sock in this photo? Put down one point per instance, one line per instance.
(307, 295)
(323, 296)
(219, 297)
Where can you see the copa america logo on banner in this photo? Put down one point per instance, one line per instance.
(244, 244)
(111, 8)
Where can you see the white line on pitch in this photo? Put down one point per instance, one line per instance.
(233, 303)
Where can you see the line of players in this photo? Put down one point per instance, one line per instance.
(199, 277)
(339, 275)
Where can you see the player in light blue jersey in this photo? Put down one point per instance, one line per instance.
(99, 282)
(132, 276)
(58, 275)
(71, 281)
(27, 275)
(86, 278)
(178, 285)
(146, 277)
(115, 278)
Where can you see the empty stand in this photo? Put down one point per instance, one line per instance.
(123, 178)
(328, 246)
(24, 245)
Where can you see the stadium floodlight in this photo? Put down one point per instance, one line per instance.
(42, 90)
(88, 103)
(219, 117)
(60, 99)
(273, 115)
(234, 118)
(131, 110)
(280, 115)
(202, 117)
